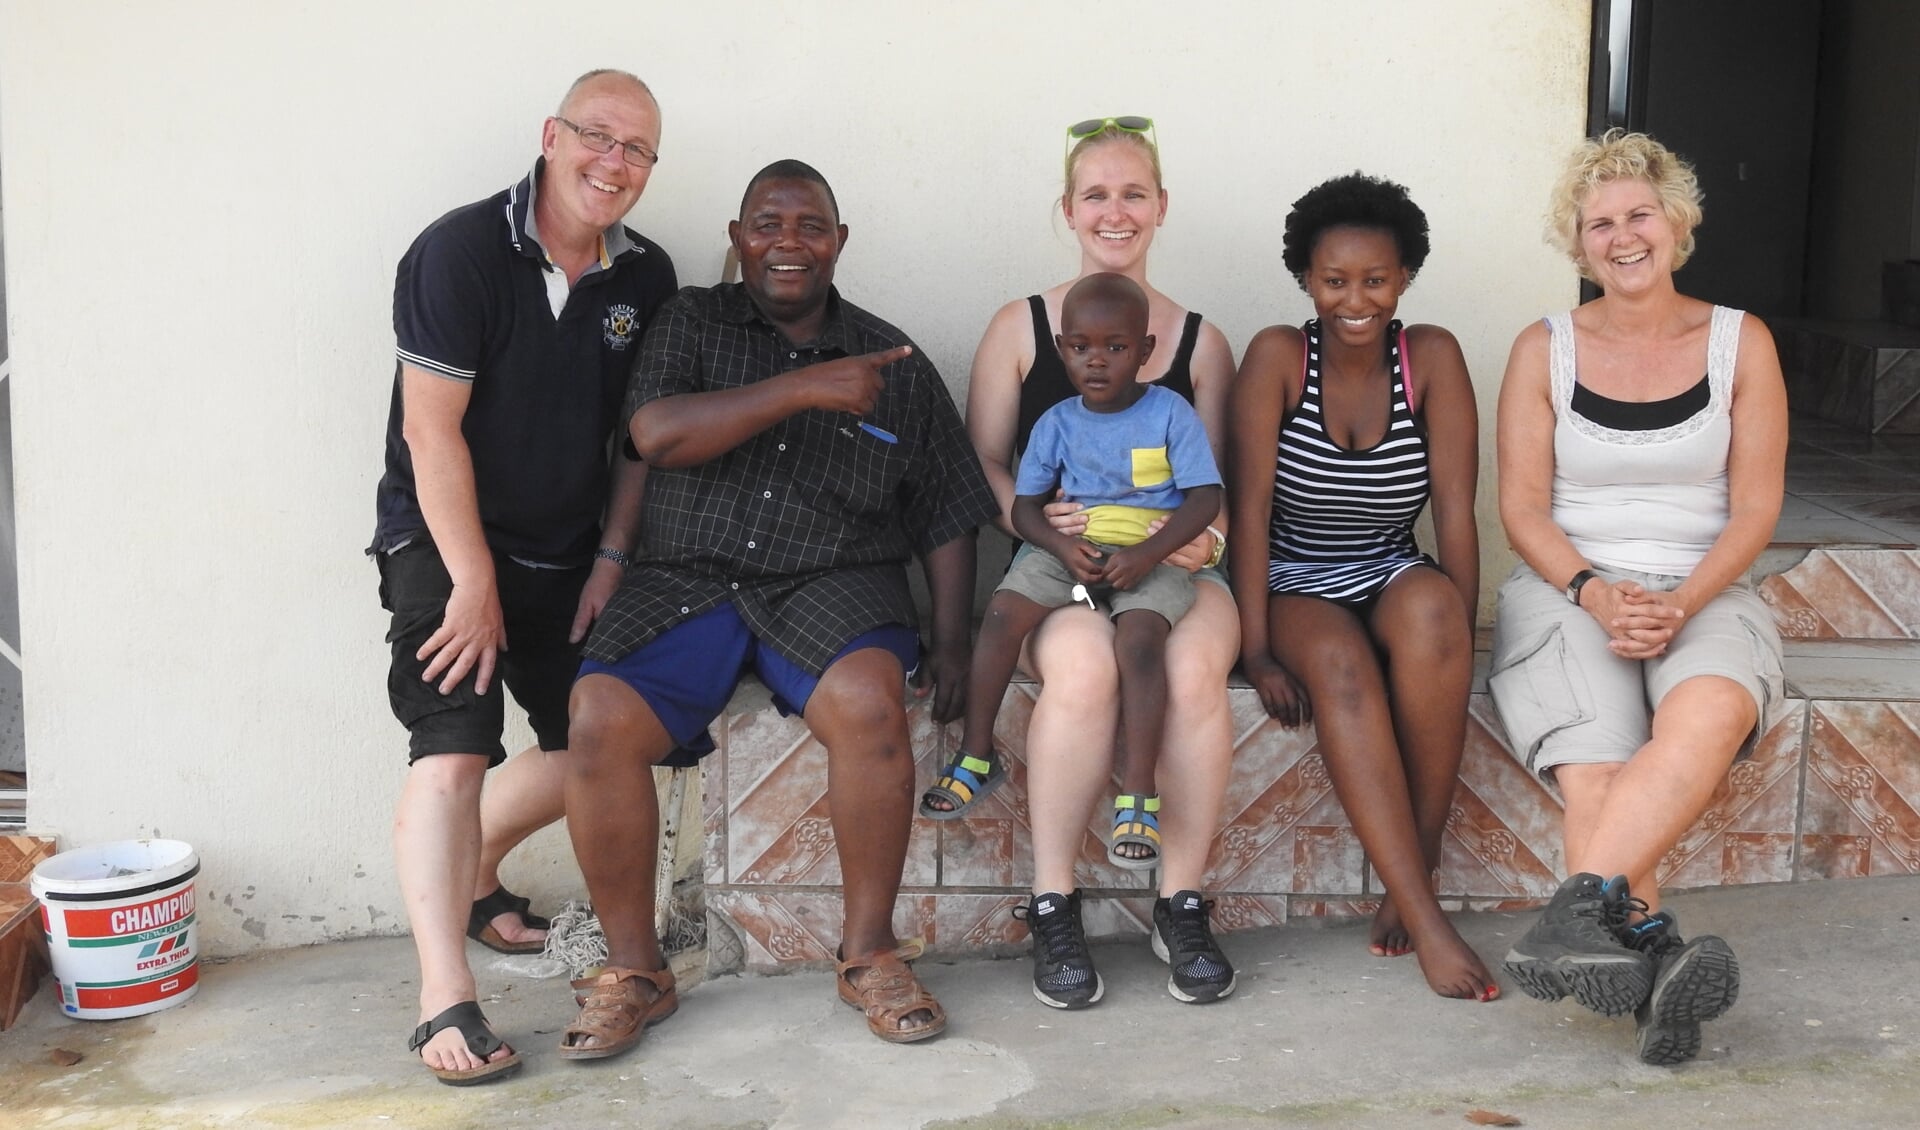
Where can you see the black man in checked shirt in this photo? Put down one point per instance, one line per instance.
(800, 451)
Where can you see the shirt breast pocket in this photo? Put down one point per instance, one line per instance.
(863, 475)
(1150, 466)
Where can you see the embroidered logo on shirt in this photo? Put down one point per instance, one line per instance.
(618, 325)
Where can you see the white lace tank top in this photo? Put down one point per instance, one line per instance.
(1650, 501)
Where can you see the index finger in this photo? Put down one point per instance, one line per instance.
(889, 356)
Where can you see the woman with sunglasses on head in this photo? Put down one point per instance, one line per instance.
(1113, 202)
(1343, 431)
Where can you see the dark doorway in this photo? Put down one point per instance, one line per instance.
(1731, 85)
(1802, 119)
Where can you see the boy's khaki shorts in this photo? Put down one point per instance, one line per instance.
(1040, 577)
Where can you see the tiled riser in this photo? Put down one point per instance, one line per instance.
(1833, 790)
(22, 951)
(1862, 594)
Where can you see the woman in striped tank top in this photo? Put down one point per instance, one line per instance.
(1342, 432)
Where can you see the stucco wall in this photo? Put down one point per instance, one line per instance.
(205, 202)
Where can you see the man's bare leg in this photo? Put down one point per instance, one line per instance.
(858, 711)
(436, 846)
(613, 815)
(525, 795)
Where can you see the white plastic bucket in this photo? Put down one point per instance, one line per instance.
(120, 926)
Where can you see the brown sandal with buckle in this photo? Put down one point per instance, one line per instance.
(617, 1012)
(887, 990)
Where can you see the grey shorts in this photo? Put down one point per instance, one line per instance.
(1040, 577)
(1565, 699)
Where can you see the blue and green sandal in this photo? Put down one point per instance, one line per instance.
(965, 781)
(1136, 821)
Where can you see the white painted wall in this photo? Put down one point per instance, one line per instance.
(205, 202)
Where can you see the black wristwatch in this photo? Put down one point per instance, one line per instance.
(1579, 582)
(617, 556)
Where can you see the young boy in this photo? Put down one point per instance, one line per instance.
(1133, 454)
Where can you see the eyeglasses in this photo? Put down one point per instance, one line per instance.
(1130, 123)
(635, 153)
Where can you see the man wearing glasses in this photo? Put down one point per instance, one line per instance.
(502, 529)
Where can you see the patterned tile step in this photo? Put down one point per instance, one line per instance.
(1831, 790)
(1848, 594)
(1862, 814)
(20, 853)
(22, 950)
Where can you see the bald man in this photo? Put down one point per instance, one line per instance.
(502, 530)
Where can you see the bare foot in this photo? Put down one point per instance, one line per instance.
(514, 929)
(1452, 968)
(1388, 937)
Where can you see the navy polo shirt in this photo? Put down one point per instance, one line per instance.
(471, 303)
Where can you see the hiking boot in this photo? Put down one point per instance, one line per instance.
(1574, 948)
(1063, 972)
(1183, 938)
(1693, 982)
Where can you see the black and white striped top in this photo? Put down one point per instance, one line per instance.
(1342, 524)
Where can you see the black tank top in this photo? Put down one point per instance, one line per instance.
(1047, 383)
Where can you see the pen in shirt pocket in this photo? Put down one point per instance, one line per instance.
(879, 433)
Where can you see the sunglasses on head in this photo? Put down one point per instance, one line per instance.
(1130, 122)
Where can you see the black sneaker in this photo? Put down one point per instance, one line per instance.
(1574, 948)
(1183, 938)
(1063, 972)
(1693, 982)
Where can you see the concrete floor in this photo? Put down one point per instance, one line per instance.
(1825, 1034)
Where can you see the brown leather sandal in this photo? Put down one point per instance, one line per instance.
(617, 1011)
(887, 990)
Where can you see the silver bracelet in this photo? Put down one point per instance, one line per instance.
(617, 556)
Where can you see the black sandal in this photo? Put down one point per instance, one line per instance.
(502, 901)
(471, 1023)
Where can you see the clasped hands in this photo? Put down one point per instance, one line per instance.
(1640, 622)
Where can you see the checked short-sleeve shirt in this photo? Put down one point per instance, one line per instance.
(806, 527)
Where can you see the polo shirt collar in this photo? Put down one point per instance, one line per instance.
(737, 306)
(524, 233)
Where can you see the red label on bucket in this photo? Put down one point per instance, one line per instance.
(134, 919)
(145, 992)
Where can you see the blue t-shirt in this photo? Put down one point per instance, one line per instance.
(1128, 468)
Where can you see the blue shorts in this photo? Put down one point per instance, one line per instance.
(687, 673)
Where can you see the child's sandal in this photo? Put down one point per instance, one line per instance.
(965, 782)
(1136, 822)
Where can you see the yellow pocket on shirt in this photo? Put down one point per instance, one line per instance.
(1150, 466)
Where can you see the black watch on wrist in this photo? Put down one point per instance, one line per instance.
(1579, 582)
(617, 556)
